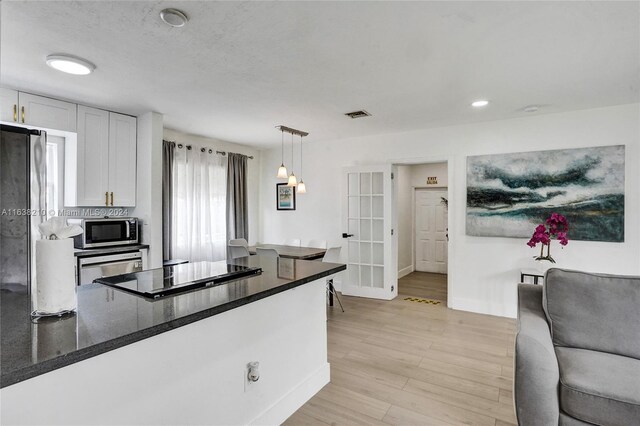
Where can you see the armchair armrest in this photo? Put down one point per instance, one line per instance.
(536, 373)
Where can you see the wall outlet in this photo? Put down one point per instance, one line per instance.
(251, 375)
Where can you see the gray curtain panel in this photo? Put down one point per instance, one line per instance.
(168, 155)
(237, 213)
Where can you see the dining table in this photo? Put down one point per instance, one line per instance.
(292, 252)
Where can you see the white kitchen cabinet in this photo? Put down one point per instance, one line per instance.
(44, 112)
(8, 105)
(122, 160)
(102, 162)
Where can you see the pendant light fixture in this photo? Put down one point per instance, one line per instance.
(302, 189)
(282, 170)
(292, 177)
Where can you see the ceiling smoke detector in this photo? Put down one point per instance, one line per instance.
(174, 17)
(358, 114)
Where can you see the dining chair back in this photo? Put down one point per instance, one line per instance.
(317, 244)
(267, 252)
(239, 242)
(292, 242)
(332, 255)
(238, 251)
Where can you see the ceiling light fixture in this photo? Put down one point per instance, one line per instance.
(174, 17)
(302, 189)
(282, 170)
(292, 181)
(531, 108)
(479, 103)
(70, 64)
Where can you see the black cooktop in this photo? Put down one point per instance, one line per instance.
(155, 283)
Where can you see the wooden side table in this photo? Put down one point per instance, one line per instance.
(536, 275)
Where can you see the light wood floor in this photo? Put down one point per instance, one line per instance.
(408, 363)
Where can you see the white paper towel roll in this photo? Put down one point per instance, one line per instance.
(56, 285)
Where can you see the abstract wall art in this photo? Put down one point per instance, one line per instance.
(509, 194)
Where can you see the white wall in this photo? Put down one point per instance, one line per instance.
(404, 206)
(253, 171)
(483, 272)
(420, 172)
(149, 184)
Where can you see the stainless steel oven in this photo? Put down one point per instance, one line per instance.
(90, 268)
(105, 232)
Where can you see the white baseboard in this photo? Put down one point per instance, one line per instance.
(405, 271)
(296, 398)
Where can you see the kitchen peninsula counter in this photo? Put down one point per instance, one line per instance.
(108, 318)
(180, 359)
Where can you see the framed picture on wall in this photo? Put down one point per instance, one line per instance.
(285, 197)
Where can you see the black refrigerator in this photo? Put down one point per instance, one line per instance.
(22, 202)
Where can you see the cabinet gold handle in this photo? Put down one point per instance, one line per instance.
(106, 198)
(22, 114)
(15, 112)
(112, 199)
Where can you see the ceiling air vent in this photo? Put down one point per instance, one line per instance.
(358, 114)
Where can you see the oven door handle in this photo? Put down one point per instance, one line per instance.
(121, 257)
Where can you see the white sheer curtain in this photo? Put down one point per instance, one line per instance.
(199, 228)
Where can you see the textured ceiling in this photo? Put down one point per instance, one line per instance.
(240, 68)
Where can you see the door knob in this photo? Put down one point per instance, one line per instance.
(345, 235)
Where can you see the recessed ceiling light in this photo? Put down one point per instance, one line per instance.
(70, 64)
(479, 103)
(174, 17)
(531, 108)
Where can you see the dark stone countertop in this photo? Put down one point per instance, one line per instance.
(108, 250)
(108, 318)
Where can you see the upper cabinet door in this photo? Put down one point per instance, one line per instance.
(122, 160)
(8, 105)
(46, 112)
(92, 158)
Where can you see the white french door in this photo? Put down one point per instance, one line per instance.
(371, 270)
(431, 231)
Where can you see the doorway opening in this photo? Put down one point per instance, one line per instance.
(422, 200)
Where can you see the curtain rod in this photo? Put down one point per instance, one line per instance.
(179, 145)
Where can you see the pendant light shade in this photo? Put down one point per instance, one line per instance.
(282, 170)
(292, 180)
(302, 189)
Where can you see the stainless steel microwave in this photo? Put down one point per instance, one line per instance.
(105, 232)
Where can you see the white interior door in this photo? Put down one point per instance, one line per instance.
(431, 231)
(371, 268)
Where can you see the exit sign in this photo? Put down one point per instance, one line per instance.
(433, 180)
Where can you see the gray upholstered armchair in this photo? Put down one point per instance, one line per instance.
(577, 356)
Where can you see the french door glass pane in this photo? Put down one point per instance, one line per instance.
(354, 210)
(376, 184)
(378, 254)
(378, 277)
(353, 184)
(354, 274)
(354, 252)
(377, 207)
(365, 229)
(378, 230)
(365, 183)
(365, 206)
(365, 276)
(365, 253)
